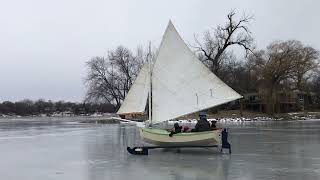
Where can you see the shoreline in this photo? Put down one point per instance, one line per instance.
(220, 116)
(256, 116)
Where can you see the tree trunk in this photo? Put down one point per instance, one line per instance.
(270, 101)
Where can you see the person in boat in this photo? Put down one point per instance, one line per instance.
(176, 129)
(213, 125)
(185, 128)
(202, 124)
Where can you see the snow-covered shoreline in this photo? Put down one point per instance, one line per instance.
(243, 119)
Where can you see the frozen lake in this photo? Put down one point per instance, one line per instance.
(63, 149)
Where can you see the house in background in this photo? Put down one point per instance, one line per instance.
(285, 101)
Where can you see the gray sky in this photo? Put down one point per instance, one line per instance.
(44, 44)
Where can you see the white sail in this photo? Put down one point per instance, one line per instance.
(136, 99)
(181, 84)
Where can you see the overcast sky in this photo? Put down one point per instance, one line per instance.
(44, 44)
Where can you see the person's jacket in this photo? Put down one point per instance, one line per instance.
(202, 125)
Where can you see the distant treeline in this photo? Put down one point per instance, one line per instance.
(29, 107)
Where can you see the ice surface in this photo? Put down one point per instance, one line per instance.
(64, 149)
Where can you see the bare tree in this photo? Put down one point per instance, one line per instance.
(110, 78)
(100, 82)
(305, 64)
(280, 64)
(212, 50)
(125, 66)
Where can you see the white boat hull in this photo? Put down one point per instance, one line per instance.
(161, 137)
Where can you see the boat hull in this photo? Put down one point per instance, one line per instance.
(161, 137)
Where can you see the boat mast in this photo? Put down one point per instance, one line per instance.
(150, 84)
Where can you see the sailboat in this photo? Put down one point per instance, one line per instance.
(176, 84)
